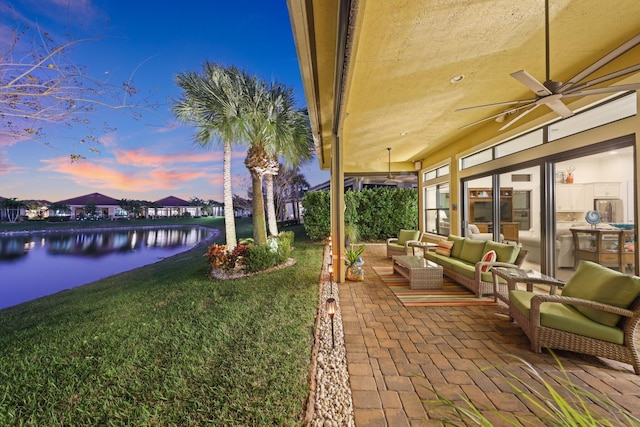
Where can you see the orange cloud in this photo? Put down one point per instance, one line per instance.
(95, 175)
(147, 158)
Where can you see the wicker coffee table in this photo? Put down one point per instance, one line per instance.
(422, 273)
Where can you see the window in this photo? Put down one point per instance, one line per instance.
(436, 198)
(606, 113)
(436, 201)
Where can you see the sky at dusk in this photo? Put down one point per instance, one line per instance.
(152, 156)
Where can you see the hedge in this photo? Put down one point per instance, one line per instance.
(378, 213)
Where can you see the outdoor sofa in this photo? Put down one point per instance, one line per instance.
(468, 262)
(597, 313)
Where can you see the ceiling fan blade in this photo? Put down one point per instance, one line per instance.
(496, 104)
(529, 81)
(515, 119)
(603, 79)
(560, 108)
(623, 48)
(495, 116)
(610, 89)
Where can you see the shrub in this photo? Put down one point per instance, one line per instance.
(377, 213)
(259, 258)
(317, 218)
(288, 236)
(220, 257)
(283, 250)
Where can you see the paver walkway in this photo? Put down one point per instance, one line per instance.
(396, 355)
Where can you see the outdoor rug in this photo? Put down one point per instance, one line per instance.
(451, 294)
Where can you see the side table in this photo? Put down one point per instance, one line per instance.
(512, 276)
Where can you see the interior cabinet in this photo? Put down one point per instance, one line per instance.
(481, 211)
(606, 190)
(481, 204)
(510, 230)
(570, 198)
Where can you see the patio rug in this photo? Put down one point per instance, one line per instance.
(451, 294)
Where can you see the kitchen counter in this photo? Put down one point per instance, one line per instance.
(604, 245)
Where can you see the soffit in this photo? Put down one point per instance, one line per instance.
(404, 54)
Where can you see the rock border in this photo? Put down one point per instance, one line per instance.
(330, 401)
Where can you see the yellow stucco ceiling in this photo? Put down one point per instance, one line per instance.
(403, 53)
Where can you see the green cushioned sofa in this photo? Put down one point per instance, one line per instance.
(597, 313)
(464, 264)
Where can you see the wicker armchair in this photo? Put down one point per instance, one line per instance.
(624, 350)
(399, 245)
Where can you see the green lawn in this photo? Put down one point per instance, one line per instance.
(164, 345)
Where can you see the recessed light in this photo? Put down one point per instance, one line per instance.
(456, 79)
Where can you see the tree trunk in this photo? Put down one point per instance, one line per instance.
(229, 219)
(259, 224)
(271, 207)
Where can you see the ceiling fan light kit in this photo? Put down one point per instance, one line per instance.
(551, 93)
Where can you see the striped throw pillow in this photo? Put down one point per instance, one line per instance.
(444, 247)
(488, 257)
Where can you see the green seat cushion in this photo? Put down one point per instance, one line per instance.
(464, 268)
(396, 246)
(505, 253)
(594, 282)
(472, 250)
(458, 242)
(406, 235)
(442, 260)
(566, 318)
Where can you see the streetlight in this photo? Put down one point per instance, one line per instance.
(332, 307)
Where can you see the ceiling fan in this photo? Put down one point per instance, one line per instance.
(551, 93)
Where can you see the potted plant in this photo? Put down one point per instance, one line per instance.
(354, 262)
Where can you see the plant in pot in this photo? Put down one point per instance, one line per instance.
(354, 262)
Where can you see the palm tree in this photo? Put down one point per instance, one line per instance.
(277, 130)
(292, 142)
(213, 102)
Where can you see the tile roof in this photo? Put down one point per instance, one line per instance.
(172, 201)
(95, 198)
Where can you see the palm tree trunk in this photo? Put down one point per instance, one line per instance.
(271, 206)
(259, 225)
(229, 219)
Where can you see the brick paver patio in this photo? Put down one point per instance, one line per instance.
(396, 355)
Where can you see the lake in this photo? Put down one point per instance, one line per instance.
(38, 264)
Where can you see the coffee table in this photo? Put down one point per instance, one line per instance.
(422, 273)
(512, 276)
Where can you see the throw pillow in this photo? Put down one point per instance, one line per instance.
(594, 282)
(444, 247)
(457, 245)
(488, 257)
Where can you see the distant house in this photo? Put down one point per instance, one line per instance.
(105, 207)
(173, 207)
(36, 209)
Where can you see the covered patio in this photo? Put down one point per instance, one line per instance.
(395, 355)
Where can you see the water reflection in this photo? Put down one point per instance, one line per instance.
(35, 265)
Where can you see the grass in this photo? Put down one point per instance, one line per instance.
(164, 345)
